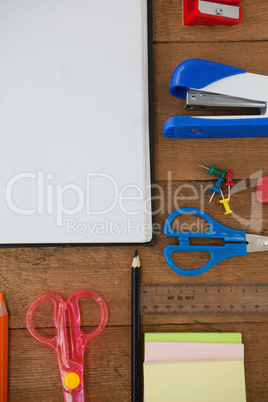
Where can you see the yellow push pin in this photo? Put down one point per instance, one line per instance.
(225, 202)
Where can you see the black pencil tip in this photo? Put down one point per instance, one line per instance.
(136, 253)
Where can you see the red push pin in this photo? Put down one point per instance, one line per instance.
(229, 182)
(262, 189)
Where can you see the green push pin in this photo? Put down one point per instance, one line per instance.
(212, 170)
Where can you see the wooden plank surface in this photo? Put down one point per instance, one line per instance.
(27, 273)
(181, 157)
(107, 374)
(168, 24)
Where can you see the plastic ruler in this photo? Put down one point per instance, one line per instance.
(204, 298)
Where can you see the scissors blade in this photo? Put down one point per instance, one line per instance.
(256, 243)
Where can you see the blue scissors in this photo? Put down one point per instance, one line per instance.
(238, 243)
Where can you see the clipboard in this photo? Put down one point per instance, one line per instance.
(76, 118)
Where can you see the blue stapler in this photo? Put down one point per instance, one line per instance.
(207, 85)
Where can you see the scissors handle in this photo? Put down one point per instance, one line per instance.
(69, 342)
(75, 312)
(74, 301)
(217, 254)
(215, 231)
(57, 300)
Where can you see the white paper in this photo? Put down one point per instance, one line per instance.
(73, 104)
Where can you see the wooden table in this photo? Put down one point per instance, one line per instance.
(27, 273)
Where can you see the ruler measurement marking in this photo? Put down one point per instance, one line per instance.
(213, 298)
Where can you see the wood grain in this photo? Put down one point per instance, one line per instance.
(36, 373)
(168, 24)
(27, 273)
(107, 363)
(180, 158)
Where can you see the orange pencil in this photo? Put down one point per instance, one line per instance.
(3, 348)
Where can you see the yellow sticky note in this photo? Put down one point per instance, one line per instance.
(217, 381)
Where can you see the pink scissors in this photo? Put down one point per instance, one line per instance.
(69, 342)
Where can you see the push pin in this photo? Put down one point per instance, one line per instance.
(212, 170)
(229, 182)
(225, 202)
(216, 189)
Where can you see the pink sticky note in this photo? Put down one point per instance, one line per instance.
(157, 352)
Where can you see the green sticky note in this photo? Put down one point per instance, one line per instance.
(211, 337)
(213, 381)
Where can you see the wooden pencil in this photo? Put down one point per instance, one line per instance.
(135, 331)
(3, 348)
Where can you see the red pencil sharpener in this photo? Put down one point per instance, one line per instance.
(210, 13)
(262, 189)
